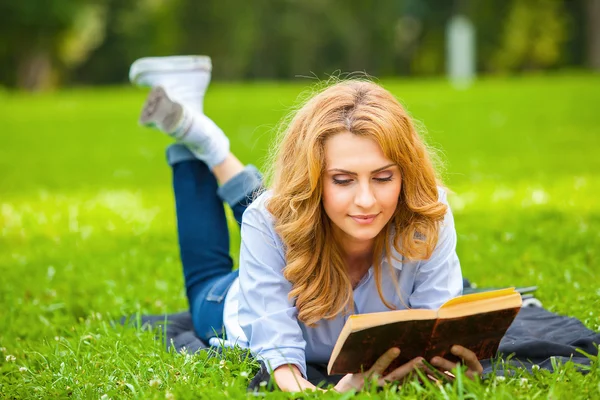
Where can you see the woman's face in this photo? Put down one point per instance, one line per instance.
(361, 187)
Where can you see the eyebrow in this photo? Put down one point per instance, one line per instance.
(343, 171)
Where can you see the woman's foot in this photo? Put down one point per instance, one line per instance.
(198, 132)
(185, 78)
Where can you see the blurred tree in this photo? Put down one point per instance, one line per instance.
(134, 28)
(428, 57)
(35, 35)
(532, 36)
(489, 17)
(593, 33)
(86, 33)
(225, 30)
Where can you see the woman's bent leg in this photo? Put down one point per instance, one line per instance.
(201, 221)
(203, 240)
(203, 233)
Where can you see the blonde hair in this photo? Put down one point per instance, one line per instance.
(320, 283)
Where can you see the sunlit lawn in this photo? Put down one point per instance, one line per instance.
(88, 230)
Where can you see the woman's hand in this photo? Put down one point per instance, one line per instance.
(357, 381)
(468, 358)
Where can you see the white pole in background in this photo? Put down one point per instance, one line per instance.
(460, 51)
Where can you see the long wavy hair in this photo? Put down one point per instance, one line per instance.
(321, 285)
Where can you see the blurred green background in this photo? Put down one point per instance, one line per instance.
(87, 42)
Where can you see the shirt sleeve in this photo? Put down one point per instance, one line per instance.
(266, 315)
(439, 278)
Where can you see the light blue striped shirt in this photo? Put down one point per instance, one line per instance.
(268, 319)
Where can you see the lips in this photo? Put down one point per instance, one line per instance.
(364, 219)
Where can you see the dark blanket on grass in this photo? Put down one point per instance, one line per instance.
(536, 337)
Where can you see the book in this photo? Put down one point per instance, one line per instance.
(477, 321)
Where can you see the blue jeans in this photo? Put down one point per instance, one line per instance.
(204, 235)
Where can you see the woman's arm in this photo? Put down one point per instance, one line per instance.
(266, 314)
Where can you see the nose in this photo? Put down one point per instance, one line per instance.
(365, 198)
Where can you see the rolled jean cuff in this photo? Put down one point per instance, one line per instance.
(179, 152)
(242, 186)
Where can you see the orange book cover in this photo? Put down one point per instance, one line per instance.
(476, 321)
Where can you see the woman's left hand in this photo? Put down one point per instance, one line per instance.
(468, 358)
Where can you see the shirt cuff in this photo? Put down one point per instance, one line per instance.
(274, 358)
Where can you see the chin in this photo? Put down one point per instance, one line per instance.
(363, 234)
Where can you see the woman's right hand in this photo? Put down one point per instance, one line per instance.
(357, 381)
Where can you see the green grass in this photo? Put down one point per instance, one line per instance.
(88, 233)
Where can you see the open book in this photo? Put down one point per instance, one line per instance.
(476, 321)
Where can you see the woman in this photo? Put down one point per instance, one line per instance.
(354, 222)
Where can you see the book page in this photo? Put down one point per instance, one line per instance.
(481, 305)
(364, 321)
(479, 296)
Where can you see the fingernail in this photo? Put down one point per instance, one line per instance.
(455, 349)
(435, 360)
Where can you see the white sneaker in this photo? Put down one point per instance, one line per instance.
(185, 78)
(198, 132)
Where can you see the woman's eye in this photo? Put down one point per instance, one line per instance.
(384, 178)
(338, 181)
